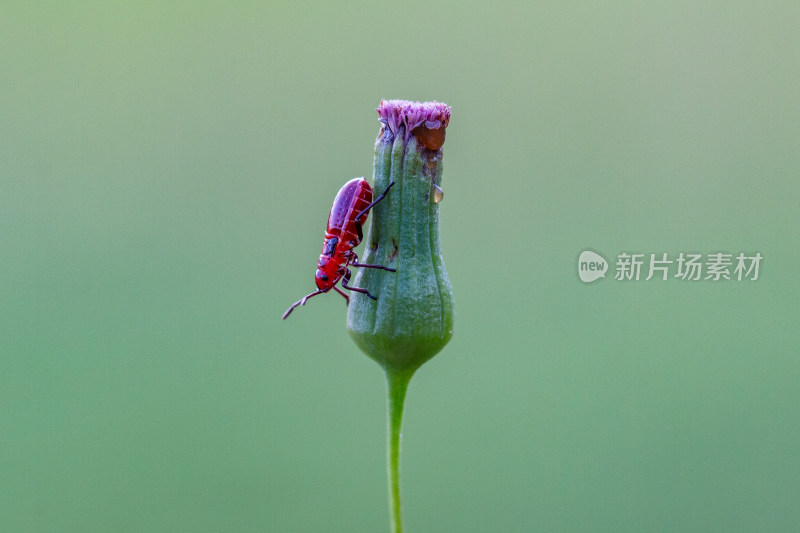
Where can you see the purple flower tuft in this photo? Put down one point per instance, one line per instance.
(396, 113)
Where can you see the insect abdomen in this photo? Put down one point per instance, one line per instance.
(353, 197)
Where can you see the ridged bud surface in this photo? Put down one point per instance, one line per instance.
(412, 318)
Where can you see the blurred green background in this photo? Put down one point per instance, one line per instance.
(166, 171)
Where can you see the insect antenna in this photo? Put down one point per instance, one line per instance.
(300, 302)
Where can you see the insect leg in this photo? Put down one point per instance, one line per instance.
(359, 230)
(300, 302)
(346, 278)
(340, 291)
(366, 209)
(355, 263)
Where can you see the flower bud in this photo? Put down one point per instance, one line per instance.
(412, 318)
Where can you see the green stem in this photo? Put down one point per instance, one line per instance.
(396, 386)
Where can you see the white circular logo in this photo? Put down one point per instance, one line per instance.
(591, 266)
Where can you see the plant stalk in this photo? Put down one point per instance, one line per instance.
(396, 386)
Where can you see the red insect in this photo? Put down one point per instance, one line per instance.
(349, 212)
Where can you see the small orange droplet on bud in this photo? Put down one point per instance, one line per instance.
(438, 194)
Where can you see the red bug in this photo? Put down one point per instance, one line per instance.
(349, 212)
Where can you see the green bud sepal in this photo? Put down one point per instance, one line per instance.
(412, 318)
